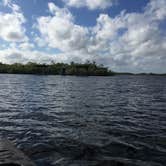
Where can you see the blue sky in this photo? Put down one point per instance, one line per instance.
(83, 16)
(125, 35)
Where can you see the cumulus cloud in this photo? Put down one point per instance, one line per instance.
(18, 55)
(12, 24)
(91, 4)
(59, 31)
(15, 55)
(127, 42)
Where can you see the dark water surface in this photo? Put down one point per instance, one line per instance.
(85, 121)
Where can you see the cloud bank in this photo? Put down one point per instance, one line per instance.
(128, 42)
(11, 24)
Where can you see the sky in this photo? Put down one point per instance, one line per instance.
(124, 35)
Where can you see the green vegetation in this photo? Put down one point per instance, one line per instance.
(86, 69)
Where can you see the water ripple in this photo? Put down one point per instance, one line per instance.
(90, 121)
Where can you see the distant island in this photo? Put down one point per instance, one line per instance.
(78, 69)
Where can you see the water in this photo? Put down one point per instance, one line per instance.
(85, 121)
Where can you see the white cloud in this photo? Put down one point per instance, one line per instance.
(157, 9)
(59, 31)
(14, 55)
(13, 6)
(127, 42)
(91, 4)
(26, 46)
(18, 55)
(6, 2)
(12, 24)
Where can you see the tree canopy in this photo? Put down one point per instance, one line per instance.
(80, 69)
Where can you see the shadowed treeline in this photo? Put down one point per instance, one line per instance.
(86, 69)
